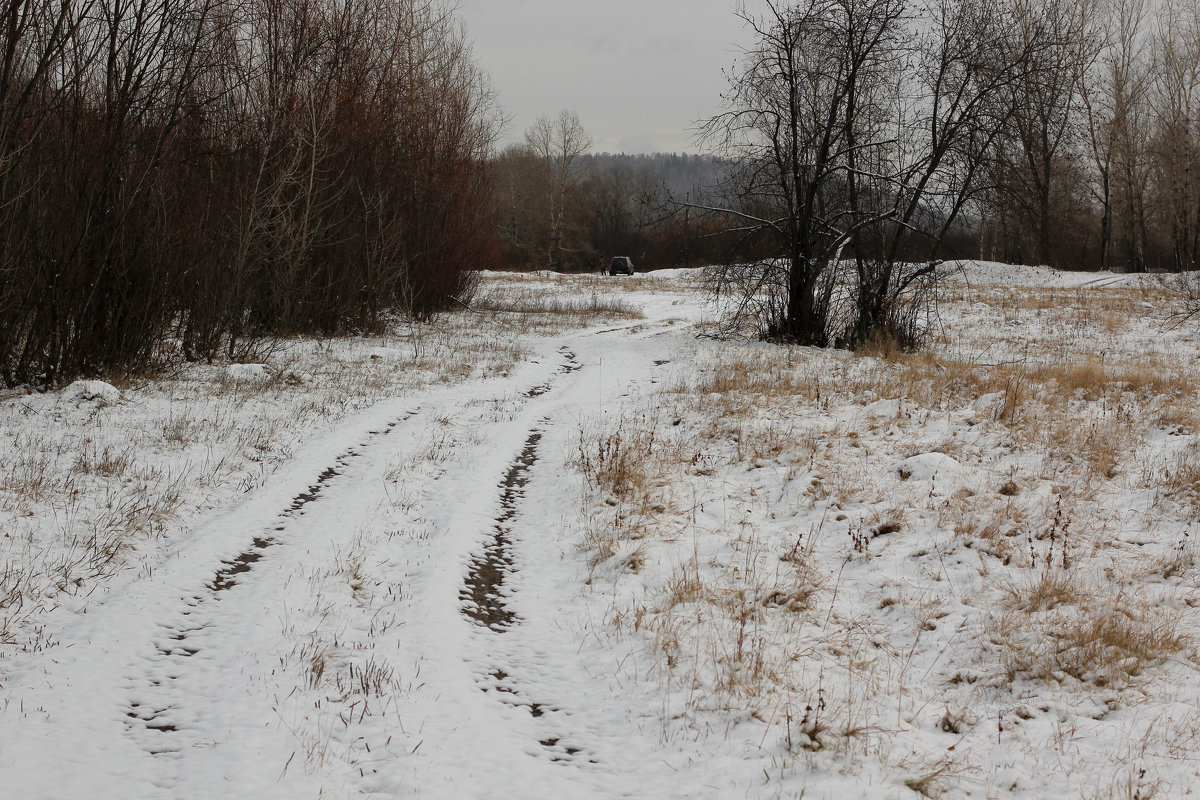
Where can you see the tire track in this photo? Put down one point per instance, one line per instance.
(154, 713)
(483, 597)
(483, 592)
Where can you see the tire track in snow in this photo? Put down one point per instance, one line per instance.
(642, 330)
(482, 596)
(570, 364)
(484, 590)
(154, 714)
(159, 715)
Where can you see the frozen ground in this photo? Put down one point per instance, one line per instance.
(559, 546)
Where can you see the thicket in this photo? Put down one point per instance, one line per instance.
(200, 173)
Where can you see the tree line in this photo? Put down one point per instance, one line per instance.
(873, 138)
(197, 174)
(1098, 166)
(562, 207)
(1079, 148)
(189, 176)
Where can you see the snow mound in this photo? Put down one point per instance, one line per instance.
(83, 391)
(926, 466)
(247, 372)
(885, 409)
(670, 273)
(982, 273)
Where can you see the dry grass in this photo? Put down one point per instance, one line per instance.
(934, 381)
(691, 281)
(1060, 627)
(1029, 574)
(622, 461)
(937, 779)
(1102, 447)
(625, 467)
(1146, 377)
(1086, 303)
(729, 630)
(31, 476)
(107, 460)
(182, 427)
(754, 376)
(594, 307)
(1181, 477)
(1051, 589)
(88, 542)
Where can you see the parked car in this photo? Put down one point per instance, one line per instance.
(620, 265)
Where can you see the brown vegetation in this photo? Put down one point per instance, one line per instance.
(213, 172)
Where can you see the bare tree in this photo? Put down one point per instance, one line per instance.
(559, 142)
(1115, 100)
(1176, 101)
(1037, 159)
(523, 195)
(797, 104)
(621, 206)
(859, 127)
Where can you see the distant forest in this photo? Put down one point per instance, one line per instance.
(649, 207)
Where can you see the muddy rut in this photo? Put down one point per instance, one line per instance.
(486, 587)
(155, 704)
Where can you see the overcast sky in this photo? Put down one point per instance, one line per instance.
(640, 73)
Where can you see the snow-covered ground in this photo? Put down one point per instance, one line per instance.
(561, 546)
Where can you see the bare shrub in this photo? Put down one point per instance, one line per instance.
(620, 462)
(858, 139)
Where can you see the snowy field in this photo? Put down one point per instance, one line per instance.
(563, 545)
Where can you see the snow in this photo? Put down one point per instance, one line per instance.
(855, 577)
(87, 391)
(247, 372)
(994, 273)
(927, 466)
(884, 409)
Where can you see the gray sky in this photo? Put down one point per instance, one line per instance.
(638, 72)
